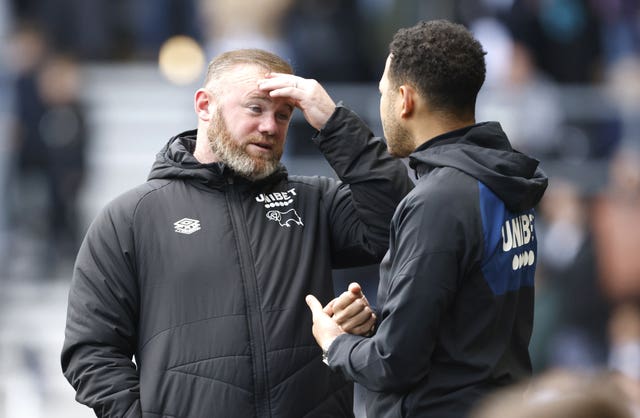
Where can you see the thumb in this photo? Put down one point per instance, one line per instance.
(314, 304)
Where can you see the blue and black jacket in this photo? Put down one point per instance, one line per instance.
(456, 287)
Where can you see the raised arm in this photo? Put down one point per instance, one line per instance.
(372, 182)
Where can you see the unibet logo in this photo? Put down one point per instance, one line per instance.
(517, 232)
(275, 199)
(527, 258)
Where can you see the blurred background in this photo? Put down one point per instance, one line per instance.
(92, 89)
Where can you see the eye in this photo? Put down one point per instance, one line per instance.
(283, 116)
(255, 108)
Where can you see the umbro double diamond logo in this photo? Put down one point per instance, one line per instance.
(187, 226)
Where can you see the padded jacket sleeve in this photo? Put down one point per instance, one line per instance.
(372, 183)
(102, 319)
(421, 281)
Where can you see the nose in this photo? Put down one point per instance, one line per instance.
(268, 125)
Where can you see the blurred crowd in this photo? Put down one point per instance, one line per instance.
(563, 79)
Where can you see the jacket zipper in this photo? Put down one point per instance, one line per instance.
(254, 314)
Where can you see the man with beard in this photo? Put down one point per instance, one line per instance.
(455, 296)
(201, 272)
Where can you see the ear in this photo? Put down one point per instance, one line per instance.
(202, 105)
(407, 96)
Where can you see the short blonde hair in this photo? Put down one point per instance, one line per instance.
(224, 62)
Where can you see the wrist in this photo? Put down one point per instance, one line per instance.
(325, 351)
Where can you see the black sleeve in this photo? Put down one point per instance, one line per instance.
(372, 183)
(420, 286)
(102, 317)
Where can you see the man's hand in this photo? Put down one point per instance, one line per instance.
(312, 99)
(351, 311)
(325, 330)
(348, 313)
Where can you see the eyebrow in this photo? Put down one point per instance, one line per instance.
(263, 96)
(259, 95)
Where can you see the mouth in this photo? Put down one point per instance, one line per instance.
(260, 148)
(264, 145)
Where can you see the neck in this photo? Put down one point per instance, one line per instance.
(203, 152)
(429, 127)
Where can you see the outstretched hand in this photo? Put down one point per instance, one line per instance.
(348, 313)
(325, 330)
(312, 99)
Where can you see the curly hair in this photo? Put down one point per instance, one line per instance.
(443, 61)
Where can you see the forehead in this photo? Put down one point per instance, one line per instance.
(384, 80)
(243, 75)
(241, 81)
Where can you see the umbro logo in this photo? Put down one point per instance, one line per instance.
(187, 226)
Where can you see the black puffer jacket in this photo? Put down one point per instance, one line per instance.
(457, 285)
(201, 275)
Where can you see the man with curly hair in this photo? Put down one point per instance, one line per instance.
(456, 288)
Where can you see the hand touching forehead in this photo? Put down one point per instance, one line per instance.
(242, 81)
(307, 94)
